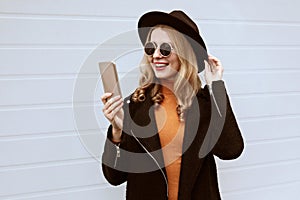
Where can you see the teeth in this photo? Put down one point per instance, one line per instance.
(161, 65)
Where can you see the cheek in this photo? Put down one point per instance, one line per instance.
(175, 63)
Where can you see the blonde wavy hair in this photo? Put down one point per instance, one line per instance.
(187, 82)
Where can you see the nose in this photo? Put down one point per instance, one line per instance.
(157, 53)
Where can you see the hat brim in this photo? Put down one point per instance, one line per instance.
(150, 19)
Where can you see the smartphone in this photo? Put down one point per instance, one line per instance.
(110, 78)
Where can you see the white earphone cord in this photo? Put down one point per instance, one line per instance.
(155, 161)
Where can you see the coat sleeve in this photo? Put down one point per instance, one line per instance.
(111, 159)
(114, 157)
(230, 142)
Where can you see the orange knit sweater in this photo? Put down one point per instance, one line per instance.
(171, 132)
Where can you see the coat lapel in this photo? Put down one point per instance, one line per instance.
(195, 129)
(145, 129)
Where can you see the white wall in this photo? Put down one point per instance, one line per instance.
(45, 44)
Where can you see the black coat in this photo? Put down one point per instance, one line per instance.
(208, 132)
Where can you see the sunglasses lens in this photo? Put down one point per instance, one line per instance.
(149, 48)
(165, 49)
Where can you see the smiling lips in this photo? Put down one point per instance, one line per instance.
(160, 65)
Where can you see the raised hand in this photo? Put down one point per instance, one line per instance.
(213, 70)
(114, 112)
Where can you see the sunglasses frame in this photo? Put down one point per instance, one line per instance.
(160, 49)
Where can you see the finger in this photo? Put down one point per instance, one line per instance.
(105, 96)
(110, 112)
(211, 57)
(116, 110)
(212, 62)
(218, 63)
(207, 66)
(111, 116)
(215, 60)
(109, 102)
(213, 66)
(114, 105)
(217, 66)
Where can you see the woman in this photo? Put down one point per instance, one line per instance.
(163, 139)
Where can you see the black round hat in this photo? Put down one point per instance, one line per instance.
(179, 21)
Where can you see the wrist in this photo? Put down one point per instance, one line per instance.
(116, 134)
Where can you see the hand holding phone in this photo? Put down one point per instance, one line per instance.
(112, 105)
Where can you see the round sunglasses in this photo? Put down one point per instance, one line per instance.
(164, 49)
